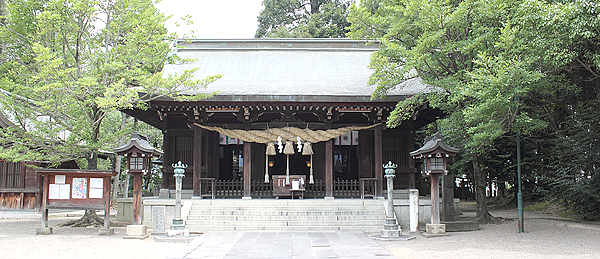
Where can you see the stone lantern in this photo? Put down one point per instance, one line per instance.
(435, 154)
(138, 153)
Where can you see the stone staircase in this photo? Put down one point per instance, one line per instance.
(266, 214)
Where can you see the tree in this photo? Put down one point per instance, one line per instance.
(303, 19)
(468, 52)
(76, 62)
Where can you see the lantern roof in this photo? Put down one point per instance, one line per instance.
(138, 143)
(434, 144)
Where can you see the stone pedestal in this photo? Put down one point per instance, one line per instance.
(435, 230)
(137, 232)
(391, 229)
(106, 232)
(177, 224)
(43, 231)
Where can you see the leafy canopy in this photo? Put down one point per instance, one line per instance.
(67, 64)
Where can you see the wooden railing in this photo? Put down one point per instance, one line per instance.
(368, 188)
(363, 188)
(208, 188)
(316, 190)
(260, 189)
(346, 189)
(230, 188)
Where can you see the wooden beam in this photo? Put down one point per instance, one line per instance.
(329, 168)
(137, 199)
(378, 159)
(247, 168)
(197, 159)
(107, 184)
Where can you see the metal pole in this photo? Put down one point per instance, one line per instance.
(520, 193)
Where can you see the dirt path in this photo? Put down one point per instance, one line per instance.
(544, 237)
(18, 240)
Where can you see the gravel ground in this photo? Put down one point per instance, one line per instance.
(18, 240)
(545, 237)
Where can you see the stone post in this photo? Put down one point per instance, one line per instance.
(391, 228)
(413, 196)
(179, 173)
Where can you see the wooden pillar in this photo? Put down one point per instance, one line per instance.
(365, 154)
(435, 199)
(212, 154)
(412, 180)
(448, 212)
(45, 202)
(329, 168)
(378, 159)
(247, 168)
(197, 160)
(107, 184)
(167, 156)
(137, 199)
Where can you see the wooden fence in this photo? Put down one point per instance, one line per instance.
(211, 188)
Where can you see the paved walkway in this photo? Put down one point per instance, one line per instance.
(282, 244)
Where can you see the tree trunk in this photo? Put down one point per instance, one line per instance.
(90, 218)
(118, 159)
(314, 6)
(502, 190)
(483, 216)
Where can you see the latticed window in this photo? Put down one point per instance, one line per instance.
(12, 175)
(437, 163)
(137, 163)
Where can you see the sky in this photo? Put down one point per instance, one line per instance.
(214, 19)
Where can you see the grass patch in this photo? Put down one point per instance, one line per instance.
(540, 206)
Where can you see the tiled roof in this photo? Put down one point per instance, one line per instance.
(286, 69)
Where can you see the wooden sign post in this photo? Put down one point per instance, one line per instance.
(75, 189)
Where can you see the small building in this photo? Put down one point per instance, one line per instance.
(304, 90)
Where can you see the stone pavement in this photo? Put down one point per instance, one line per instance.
(283, 244)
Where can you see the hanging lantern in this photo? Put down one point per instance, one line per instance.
(307, 150)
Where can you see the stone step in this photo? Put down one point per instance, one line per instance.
(268, 214)
(284, 217)
(306, 202)
(286, 208)
(202, 229)
(283, 213)
(262, 223)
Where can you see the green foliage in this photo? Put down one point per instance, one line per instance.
(303, 19)
(498, 67)
(69, 65)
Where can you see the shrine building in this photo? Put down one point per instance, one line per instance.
(310, 93)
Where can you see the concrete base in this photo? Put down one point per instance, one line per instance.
(137, 232)
(178, 233)
(391, 233)
(163, 194)
(328, 198)
(167, 239)
(106, 232)
(247, 198)
(435, 230)
(177, 225)
(457, 226)
(398, 238)
(43, 231)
